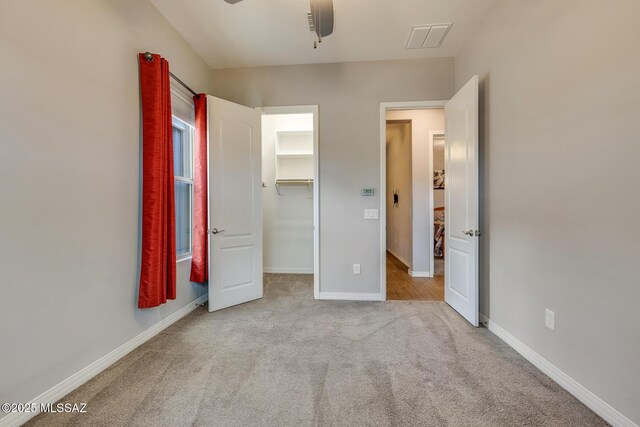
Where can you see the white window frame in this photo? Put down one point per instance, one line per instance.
(189, 131)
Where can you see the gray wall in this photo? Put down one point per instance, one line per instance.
(349, 96)
(69, 177)
(560, 147)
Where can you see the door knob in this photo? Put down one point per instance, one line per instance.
(216, 231)
(468, 233)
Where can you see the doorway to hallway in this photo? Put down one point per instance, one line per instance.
(414, 200)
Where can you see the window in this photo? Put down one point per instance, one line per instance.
(183, 136)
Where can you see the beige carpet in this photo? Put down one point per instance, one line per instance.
(290, 360)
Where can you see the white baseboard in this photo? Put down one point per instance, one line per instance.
(419, 273)
(596, 404)
(350, 296)
(65, 387)
(284, 270)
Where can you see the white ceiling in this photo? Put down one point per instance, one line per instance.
(275, 32)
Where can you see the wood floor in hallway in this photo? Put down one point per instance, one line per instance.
(401, 286)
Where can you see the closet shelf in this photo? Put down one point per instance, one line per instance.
(295, 155)
(294, 158)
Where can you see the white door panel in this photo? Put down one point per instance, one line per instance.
(235, 204)
(461, 202)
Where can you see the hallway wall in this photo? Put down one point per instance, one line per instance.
(399, 230)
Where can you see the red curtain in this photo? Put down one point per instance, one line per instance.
(158, 261)
(199, 260)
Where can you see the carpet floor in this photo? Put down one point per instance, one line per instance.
(291, 360)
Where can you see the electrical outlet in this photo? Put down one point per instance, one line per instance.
(356, 268)
(550, 319)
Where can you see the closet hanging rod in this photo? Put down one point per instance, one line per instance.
(149, 57)
(279, 182)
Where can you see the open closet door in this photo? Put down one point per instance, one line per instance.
(235, 204)
(461, 202)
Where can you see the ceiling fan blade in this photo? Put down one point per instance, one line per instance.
(232, 1)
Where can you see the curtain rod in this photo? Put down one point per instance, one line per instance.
(149, 57)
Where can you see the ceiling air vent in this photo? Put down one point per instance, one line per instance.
(427, 36)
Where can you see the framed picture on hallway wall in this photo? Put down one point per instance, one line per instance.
(438, 179)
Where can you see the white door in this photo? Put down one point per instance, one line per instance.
(235, 204)
(461, 202)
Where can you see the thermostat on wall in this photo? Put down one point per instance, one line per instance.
(368, 191)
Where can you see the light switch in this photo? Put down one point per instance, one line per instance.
(371, 214)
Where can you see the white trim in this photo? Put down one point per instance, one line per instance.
(580, 392)
(290, 109)
(189, 132)
(182, 103)
(384, 106)
(351, 296)
(432, 203)
(410, 272)
(65, 387)
(285, 270)
(183, 179)
(313, 109)
(316, 202)
(184, 257)
(419, 273)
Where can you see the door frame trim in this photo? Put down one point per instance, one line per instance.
(306, 109)
(384, 107)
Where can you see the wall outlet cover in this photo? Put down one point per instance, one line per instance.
(356, 268)
(550, 319)
(368, 192)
